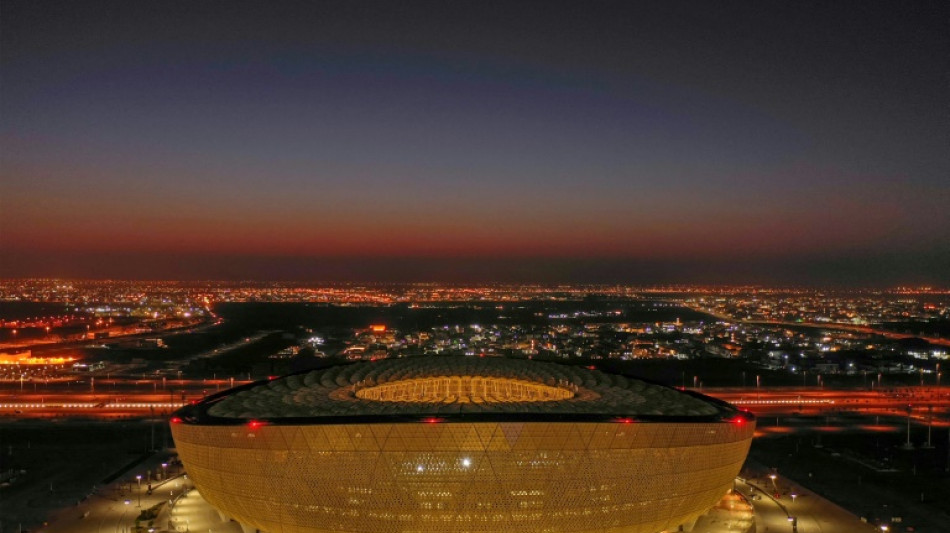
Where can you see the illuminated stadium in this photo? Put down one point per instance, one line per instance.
(461, 444)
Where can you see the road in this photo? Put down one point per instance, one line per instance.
(821, 325)
(127, 397)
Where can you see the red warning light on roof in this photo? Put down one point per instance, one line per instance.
(433, 420)
(254, 424)
(624, 420)
(176, 420)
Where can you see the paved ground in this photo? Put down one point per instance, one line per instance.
(193, 514)
(754, 508)
(733, 514)
(115, 507)
(813, 513)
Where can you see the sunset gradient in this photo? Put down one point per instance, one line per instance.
(804, 143)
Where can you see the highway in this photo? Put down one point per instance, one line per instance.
(820, 325)
(124, 397)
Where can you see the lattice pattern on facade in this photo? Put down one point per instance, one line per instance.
(464, 477)
(518, 446)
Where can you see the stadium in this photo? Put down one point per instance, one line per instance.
(461, 444)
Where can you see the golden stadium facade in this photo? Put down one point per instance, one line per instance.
(453, 445)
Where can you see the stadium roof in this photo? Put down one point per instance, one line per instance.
(454, 386)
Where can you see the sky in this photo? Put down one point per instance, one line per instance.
(803, 143)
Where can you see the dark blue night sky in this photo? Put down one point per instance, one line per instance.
(728, 142)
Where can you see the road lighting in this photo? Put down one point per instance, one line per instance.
(164, 470)
(908, 445)
(930, 423)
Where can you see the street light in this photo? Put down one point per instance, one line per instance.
(908, 445)
(164, 470)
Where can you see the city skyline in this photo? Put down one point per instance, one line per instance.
(789, 144)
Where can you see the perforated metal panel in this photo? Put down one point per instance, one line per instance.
(456, 477)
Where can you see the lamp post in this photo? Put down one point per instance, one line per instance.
(930, 423)
(164, 470)
(138, 478)
(125, 509)
(908, 445)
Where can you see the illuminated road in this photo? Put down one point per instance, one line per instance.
(105, 398)
(821, 325)
(924, 402)
(856, 329)
(117, 335)
(109, 398)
